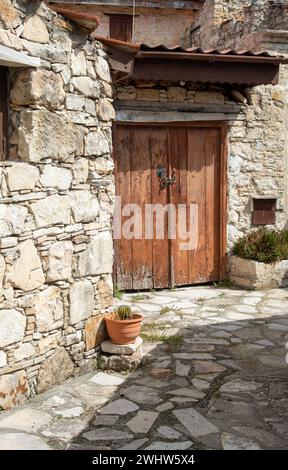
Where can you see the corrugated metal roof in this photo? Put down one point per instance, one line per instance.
(162, 48)
(198, 50)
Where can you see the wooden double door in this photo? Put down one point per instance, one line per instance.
(180, 168)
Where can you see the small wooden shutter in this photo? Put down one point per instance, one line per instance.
(121, 27)
(3, 112)
(264, 211)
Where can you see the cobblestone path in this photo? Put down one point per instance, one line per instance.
(214, 376)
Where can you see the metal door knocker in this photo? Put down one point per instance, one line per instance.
(164, 180)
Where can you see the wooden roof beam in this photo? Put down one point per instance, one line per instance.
(167, 4)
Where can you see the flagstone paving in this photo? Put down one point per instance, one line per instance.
(214, 376)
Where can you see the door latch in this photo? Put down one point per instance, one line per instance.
(165, 180)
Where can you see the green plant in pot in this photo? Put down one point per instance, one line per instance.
(123, 326)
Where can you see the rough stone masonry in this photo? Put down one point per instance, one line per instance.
(56, 202)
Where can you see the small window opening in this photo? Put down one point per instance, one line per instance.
(121, 27)
(264, 211)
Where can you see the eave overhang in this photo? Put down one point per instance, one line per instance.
(141, 62)
(85, 20)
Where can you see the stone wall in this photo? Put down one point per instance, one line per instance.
(257, 136)
(236, 24)
(56, 203)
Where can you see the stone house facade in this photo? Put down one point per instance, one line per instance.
(56, 199)
(57, 186)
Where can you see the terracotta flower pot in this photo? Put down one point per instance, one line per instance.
(123, 331)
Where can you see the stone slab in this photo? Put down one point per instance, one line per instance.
(195, 423)
(142, 422)
(119, 407)
(122, 349)
(107, 380)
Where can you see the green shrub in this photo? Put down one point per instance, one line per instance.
(264, 245)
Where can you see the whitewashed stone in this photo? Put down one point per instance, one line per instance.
(160, 445)
(22, 176)
(52, 137)
(3, 359)
(119, 407)
(84, 206)
(102, 69)
(107, 379)
(82, 301)
(98, 256)
(8, 14)
(35, 30)
(80, 170)
(55, 370)
(12, 219)
(27, 420)
(96, 143)
(21, 441)
(233, 442)
(48, 309)
(8, 242)
(37, 86)
(106, 434)
(86, 86)
(59, 264)
(80, 117)
(78, 64)
(55, 177)
(106, 111)
(10, 40)
(125, 349)
(26, 271)
(2, 272)
(168, 433)
(14, 389)
(52, 210)
(90, 107)
(104, 165)
(75, 102)
(24, 351)
(142, 422)
(195, 423)
(50, 342)
(65, 73)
